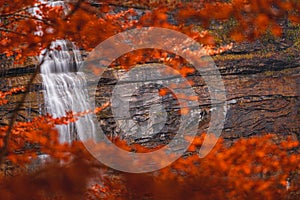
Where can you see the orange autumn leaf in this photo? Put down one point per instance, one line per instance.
(163, 91)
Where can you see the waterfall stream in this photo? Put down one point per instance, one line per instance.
(65, 90)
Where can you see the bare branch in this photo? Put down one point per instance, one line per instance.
(11, 31)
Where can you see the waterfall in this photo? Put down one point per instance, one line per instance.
(65, 90)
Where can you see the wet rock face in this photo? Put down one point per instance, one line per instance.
(17, 75)
(151, 119)
(262, 90)
(262, 96)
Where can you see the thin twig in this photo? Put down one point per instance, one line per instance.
(11, 31)
(121, 5)
(23, 16)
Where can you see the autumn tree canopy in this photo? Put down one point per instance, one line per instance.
(27, 27)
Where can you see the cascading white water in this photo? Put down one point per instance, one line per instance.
(65, 90)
